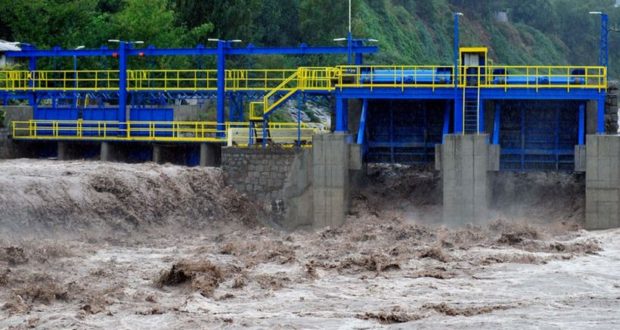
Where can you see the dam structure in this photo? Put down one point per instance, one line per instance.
(468, 119)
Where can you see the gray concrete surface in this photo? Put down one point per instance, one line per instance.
(210, 155)
(330, 179)
(464, 163)
(108, 153)
(189, 112)
(16, 113)
(602, 182)
(580, 158)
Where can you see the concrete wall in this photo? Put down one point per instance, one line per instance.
(189, 112)
(465, 162)
(602, 182)
(16, 113)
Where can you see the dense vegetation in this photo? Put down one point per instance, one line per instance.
(409, 31)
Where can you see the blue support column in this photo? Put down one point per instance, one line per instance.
(458, 113)
(349, 48)
(481, 116)
(32, 98)
(122, 85)
(497, 123)
(582, 124)
(265, 133)
(221, 88)
(341, 114)
(362, 129)
(359, 59)
(523, 113)
(300, 104)
(600, 115)
(446, 121)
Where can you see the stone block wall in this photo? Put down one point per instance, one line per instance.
(260, 173)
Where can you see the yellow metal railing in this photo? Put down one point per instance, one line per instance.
(202, 80)
(59, 80)
(236, 133)
(535, 77)
(285, 134)
(113, 130)
(321, 78)
(395, 76)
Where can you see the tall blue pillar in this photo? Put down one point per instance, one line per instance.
(481, 116)
(341, 114)
(600, 115)
(582, 124)
(361, 139)
(349, 48)
(497, 122)
(446, 121)
(122, 83)
(458, 113)
(221, 88)
(32, 98)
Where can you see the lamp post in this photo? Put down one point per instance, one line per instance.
(604, 42)
(122, 77)
(603, 60)
(458, 111)
(75, 76)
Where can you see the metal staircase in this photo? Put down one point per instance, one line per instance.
(304, 79)
(471, 109)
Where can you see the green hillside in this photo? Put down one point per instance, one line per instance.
(552, 32)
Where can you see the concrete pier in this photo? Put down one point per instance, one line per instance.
(107, 152)
(330, 174)
(465, 162)
(210, 155)
(602, 182)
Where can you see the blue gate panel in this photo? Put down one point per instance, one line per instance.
(56, 114)
(404, 132)
(539, 136)
(152, 115)
(100, 114)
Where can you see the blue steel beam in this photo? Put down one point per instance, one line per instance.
(151, 51)
(361, 140)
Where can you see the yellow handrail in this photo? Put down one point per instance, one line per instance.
(163, 131)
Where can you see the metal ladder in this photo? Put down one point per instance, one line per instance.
(471, 109)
